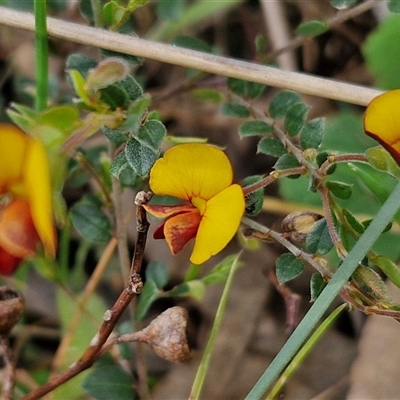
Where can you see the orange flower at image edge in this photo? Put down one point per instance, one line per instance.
(200, 175)
(25, 199)
(382, 121)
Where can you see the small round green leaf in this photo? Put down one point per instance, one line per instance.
(340, 189)
(312, 133)
(288, 267)
(91, 222)
(235, 110)
(254, 128)
(139, 157)
(312, 28)
(318, 239)
(295, 117)
(245, 89)
(287, 161)
(151, 135)
(271, 146)
(281, 103)
(132, 88)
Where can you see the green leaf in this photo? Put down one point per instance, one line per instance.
(317, 285)
(109, 382)
(340, 189)
(195, 288)
(235, 110)
(371, 283)
(132, 88)
(271, 147)
(158, 273)
(170, 9)
(378, 50)
(318, 239)
(151, 135)
(380, 159)
(342, 4)
(312, 133)
(119, 164)
(295, 117)
(115, 96)
(254, 128)
(70, 311)
(150, 292)
(388, 267)
(139, 157)
(312, 28)
(117, 136)
(189, 42)
(288, 267)
(372, 183)
(207, 94)
(353, 222)
(245, 89)
(394, 6)
(220, 272)
(80, 62)
(135, 114)
(321, 158)
(287, 161)
(281, 103)
(91, 222)
(254, 201)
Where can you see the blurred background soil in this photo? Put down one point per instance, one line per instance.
(359, 358)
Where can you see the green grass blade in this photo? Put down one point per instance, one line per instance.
(42, 53)
(310, 320)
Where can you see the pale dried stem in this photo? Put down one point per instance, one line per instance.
(218, 65)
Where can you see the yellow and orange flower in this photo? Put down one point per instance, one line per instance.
(200, 175)
(382, 121)
(26, 217)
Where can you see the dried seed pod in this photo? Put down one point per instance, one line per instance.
(167, 335)
(11, 308)
(298, 224)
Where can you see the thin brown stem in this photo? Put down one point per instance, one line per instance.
(8, 369)
(272, 177)
(111, 317)
(333, 22)
(319, 264)
(341, 158)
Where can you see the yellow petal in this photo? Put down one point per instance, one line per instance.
(13, 145)
(382, 121)
(219, 224)
(191, 170)
(36, 177)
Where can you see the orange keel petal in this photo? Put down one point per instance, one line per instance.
(180, 229)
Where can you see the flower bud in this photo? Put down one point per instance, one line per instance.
(298, 224)
(11, 308)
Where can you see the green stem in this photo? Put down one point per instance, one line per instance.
(340, 278)
(303, 352)
(205, 361)
(42, 53)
